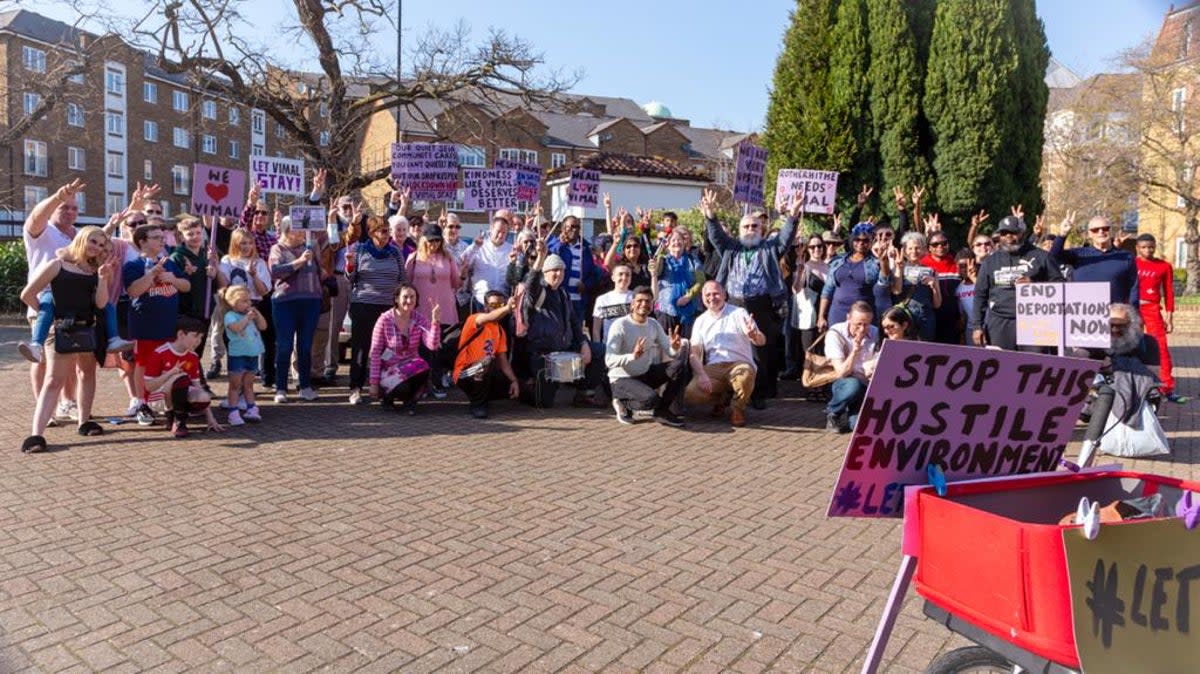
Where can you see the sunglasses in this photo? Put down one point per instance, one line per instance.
(983, 244)
(1098, 229)
(453, 226)
(149, 212)
(818, 245)
(136, 223)
(261, 212)
(858, 241)
(938, 244)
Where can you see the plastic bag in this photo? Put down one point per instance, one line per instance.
(1121, 440)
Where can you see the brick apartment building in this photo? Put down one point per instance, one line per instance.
(124, 120)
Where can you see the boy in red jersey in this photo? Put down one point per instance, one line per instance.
(174, 369)
(1156, 287)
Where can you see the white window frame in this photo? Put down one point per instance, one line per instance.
(30, 102)
(81, 201)
(208, 109)
(235, 116)
(458, 206)
(76, 158)
(114, 82)
(74, 115)
(33, 59)
(114, 165)
(235, 149)
(35, 152)
(180, 100)
(208, 144)
(279, 131)
(181, 138)
(150, 92)
(114, 203)
(150, 131)
(323, 139)
(181, 179)
(472, 156)
(77, 78)
(114, 123)
(518, 154)
(258, 122)
(34, 194)
(558, 159)
(258, 150)
(147, 169)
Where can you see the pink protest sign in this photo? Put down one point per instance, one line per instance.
(584, 189)
(429, 170)
(751, 169)
(489, 189)
(819, 189)
(975, 412)
(529, 177)
(217, 191)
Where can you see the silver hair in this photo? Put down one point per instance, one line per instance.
(914, 236)
(397, 219)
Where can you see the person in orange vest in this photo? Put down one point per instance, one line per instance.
(1156, 288)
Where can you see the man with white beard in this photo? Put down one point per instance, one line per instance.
(750, 274)
(1130, 371)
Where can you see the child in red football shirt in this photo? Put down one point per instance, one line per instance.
(174, 369)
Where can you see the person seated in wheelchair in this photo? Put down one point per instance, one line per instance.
(556, 349)
(1128, 376)
(174, 370)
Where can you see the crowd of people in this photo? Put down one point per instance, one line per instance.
(649, 317)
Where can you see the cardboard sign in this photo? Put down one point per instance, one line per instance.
(1133, 590)
(308, 218)
(429, 170)
(1073, 314)
(819, 188)
(276, 175)
(217, 191)
(751, 171)
(584, 189)
(976, 412)
(529, 177)
(489, 189)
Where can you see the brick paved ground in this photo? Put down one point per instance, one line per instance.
(342, 539)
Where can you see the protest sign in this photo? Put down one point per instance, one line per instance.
(276, 175)
(584, 189)
(1131, 597)
(975, 412)
(1067, 314)
(429, 170)
(819, 189)
(529, 177)
(489, 189)
(308, 218)
(751, 170)
(217, 191)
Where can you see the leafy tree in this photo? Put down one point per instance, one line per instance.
(1027, 130)
(851, 143)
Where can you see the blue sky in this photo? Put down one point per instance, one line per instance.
(711, 64)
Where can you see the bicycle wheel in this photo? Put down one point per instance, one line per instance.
(970, 660)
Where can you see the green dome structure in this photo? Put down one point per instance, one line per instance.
(656, 109)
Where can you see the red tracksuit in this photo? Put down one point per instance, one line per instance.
(1156, 284)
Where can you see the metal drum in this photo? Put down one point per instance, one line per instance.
(564, 366)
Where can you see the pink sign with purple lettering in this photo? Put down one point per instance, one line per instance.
(973, 412)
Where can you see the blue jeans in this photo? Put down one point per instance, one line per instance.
(295, 323)
(847, 396)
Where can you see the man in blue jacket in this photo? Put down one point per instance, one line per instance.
(750, 273)
(1099, 261)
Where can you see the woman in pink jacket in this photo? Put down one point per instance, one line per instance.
(434, 273)
(397, 371)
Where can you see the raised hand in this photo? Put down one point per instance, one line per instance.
(749, 326)
(676, 339)
(901, 200)
(918, 192)
(978, 218)
(435, 311)
(253, 195)
(795, 207)
(319, 180)
(932, 224)
(1039, 226)
(1068, 222)
(1018, 211)
(70, 189)
(837, 223)
(607, 201)
(708, 203)
(864, 194)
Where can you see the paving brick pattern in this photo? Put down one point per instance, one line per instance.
(341, 539)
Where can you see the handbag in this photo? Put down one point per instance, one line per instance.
(818, 368)
(1124, 441)
(71, 336)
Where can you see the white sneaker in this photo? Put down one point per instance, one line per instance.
(252, 414)
(67, 408)
(280, 398)
(308, 394)
(32, 352)
(356, 397)
(135, 404)
(624, 416)
(235, 418)
(117, 345)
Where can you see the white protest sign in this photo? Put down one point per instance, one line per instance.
(1071, 314)
(276, 175)
(489, 189)
(428, 170)
(819, 189)
(308, 218)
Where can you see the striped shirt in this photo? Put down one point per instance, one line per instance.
(375, 278)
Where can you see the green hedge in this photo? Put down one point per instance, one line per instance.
(13, 270)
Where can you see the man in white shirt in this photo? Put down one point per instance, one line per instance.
(722, 356)
(50, 226)
(486, 263)
(851, 346)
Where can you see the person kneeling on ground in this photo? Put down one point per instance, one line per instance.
(641, 358)
(851, 347)
(481, 368)
(174, 369)
(722, 356)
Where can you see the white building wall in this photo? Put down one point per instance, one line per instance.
(630, 192)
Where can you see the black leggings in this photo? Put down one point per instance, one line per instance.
(363, 317)
(407, 390)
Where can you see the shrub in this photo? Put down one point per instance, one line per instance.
(13, 270)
